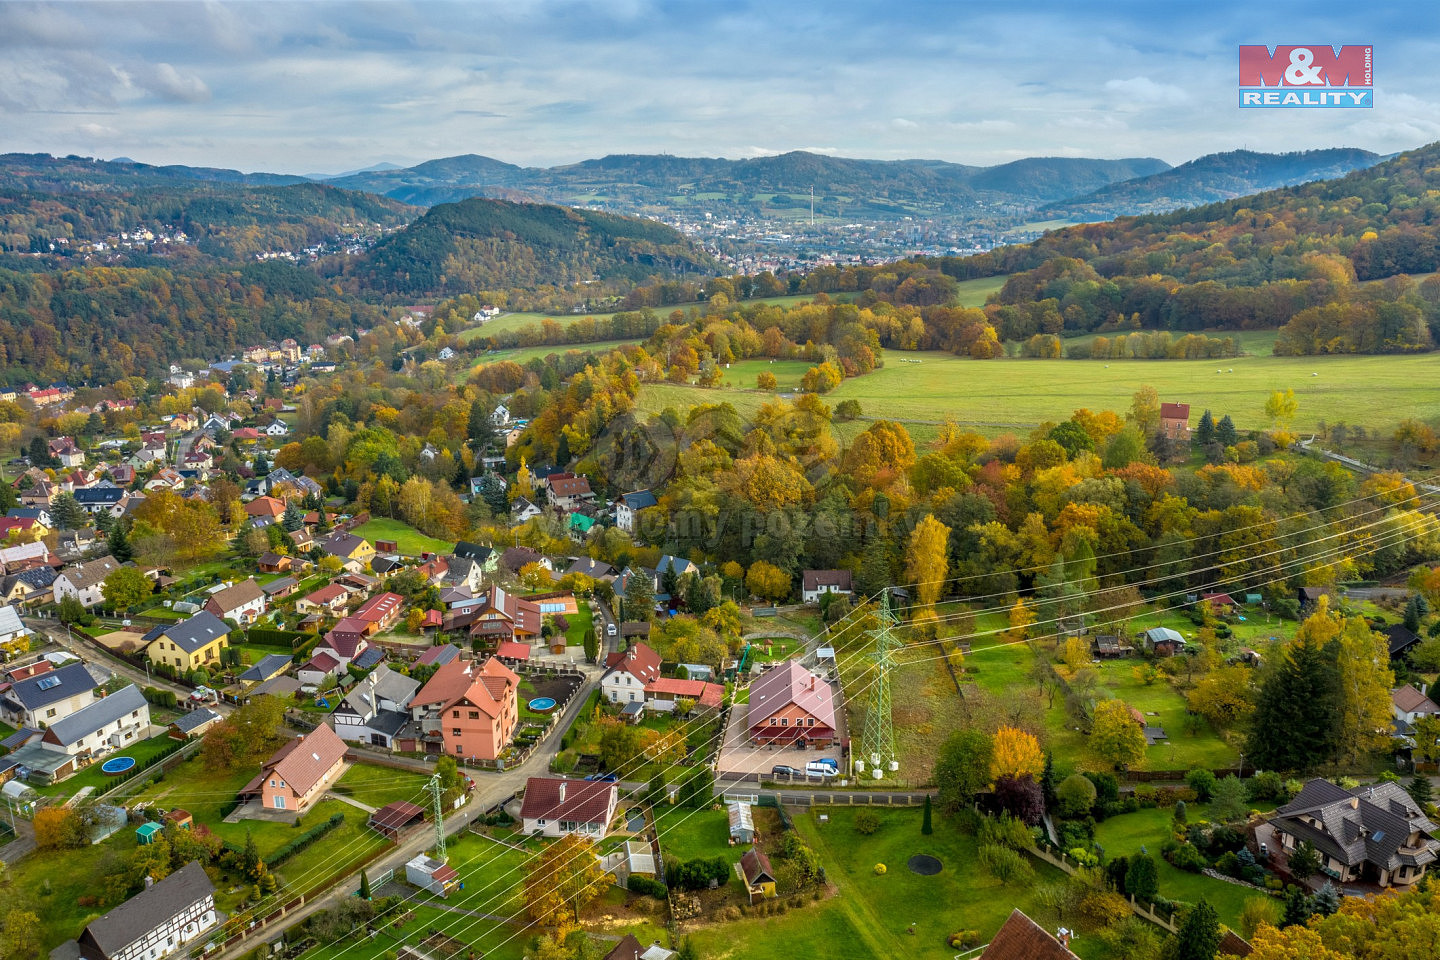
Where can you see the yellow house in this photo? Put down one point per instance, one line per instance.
(354, 552)
(759, 878)
(190, 644)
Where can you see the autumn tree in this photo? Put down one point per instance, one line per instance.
(1145, 409)
(1115, 736)
(563, 880)
(927, 560)
(126, 587)
(768, 581)
(1021, 617)
(1016, 753)
(1365, 683)
(58, 828)
(1281, 407)
(765, 381)
(963, 768)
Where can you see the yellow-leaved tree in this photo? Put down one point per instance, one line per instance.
(927, 559)
(1016, 754)
(564, 879)
(1116, 736)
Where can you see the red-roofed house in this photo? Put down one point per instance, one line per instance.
(789, 703)
(662, 694)
(1021, 938)
(467, 709)
(627, 673)
(323, 664)
(1175, 421)
(346, 640)
(380, 611)
(329, 599)
(300, 771)
(568, 491)
(554, 806)
(504, 616)
(265, 507)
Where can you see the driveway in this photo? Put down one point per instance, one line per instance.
(740, 759)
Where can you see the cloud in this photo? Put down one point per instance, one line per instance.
(1145, 90)
(900, 123)
(164, 81)
(98, 131)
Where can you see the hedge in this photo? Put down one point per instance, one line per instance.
(267, 637)
(304, 840)
(640, 884)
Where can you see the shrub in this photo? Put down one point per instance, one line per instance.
(1076, 795)
(1104, 909)
(964, 939)
(1202, 781)
(1005, 864)
(1268, 785)
(879, 869)
(1006, 831)
(866, 822)
(1185, 856)
(647, 885)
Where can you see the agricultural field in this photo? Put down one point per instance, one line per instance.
(973, 293)
(410, 541)
(872, 916)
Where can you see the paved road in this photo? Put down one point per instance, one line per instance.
(611, 644)
(490, 789)
(90, 651)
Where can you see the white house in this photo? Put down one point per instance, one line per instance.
(1409, 704)
(501, 415)
(11, 626)
(277, 429)
(813, 583)
(555, 806)
(110, 723)
(628, 673)
(49, 697)
(154, 923)
(629, 506)
(84, 581)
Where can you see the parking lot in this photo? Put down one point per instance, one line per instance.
(741, 759)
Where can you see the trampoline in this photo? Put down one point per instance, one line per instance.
(924, 864)
(117, 765)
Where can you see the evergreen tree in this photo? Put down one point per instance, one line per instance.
(876, 570)
(480, 429)
(1326, 900)
(655, 794)
(67, 512)
(294, 517)
(262, 465)
(40, 453)
(592, 646)
(494, 495)
(639, 597)
(925, 826)
(1413, 614)
(1225, 433)
(364, 886)
(1297, 907)
(1421, 791)
(697, 598)
(562, 450)
(1296, 724)
(250, 861)
(1142, 879)
(1199, 936)
(1305, 861)
(1205, 432)
(1048, 781)
(670, 583)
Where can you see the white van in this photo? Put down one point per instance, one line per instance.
(817, 768)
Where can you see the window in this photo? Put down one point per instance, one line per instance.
(810, 722)
(784, 722)
(458, 748)
(279, 802)
(455, 732)
(272, 783)
(456, 714)
(474, 714)
(774, 722)
(51, 713)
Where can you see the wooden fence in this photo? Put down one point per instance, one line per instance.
(1142, 910)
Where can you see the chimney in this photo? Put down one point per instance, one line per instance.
(562, 791)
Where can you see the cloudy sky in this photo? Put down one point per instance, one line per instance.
(325, 87)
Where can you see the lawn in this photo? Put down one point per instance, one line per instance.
(376, 786)
(1124, 835)
(92, 776)
(742, 373)
(925, 707)
(344, 847)
(686, 834)
(582, 624)
(972, 293)
(925, 388)
(410, 541)
(68, 875)
(871, 916)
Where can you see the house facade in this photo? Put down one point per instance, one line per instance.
(154, 923)
(376, 709)
(108, 724)
(628, 507)
(814, 583)
(555, 806)
(84, 581)
(190, 644)
(790, 704)
(243, 602)
(1371, 834)
(300, 771)
(49, 697)
(466, 709)
(1175, 421)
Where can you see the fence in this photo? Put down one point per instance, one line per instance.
(1142, 910)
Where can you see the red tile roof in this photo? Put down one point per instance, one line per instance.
(1021, 938)
(327, 595)
(304, 761)
(486, 686)
(380, 607)
(513, 650)
(706, 694)
(583, 801)
(791, 683)
(640, 661)
(1175, 411)
(568, 485)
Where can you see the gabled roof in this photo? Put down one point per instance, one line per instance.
(149, 909)
(594, 569)
(379, 607)
(787, 684)
(302, 762)
(568, 485)
(1400, 638)
(1369, 823)
(639, 500)
(1163, 635)
(341, 544)
(640, 661)
(1174, 411)
(485, 686)
(442, 654)
(238, 595)
(195, 719)
(92, 717)
(10, 621)
(327, 595)
(756, 867)
(52, 687)
(580, 801)
(267, 667)
(1409, 700)
(276, 586)
(472, 551)
(821, 579)
(194, 634)
(83, 576)
(1021, 938)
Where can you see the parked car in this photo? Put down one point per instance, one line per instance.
(830, 762)
(781, 770)
(816, 768)
(611, 630)
(603, 777)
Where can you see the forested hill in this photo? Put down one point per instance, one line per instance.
(483, 244)
(1217, 176)
(843, 186)
(46, 174)
(223, 220)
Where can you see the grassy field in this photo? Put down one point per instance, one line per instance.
(1124, 835)
(872, 915)
(92, 776)
(377, 786)
(742, 373)
(411, 541)
(925, 388)
(67, 875)
(686, 834)
(972, 293)
(522, 319)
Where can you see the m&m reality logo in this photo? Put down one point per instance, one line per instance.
(1313, 75)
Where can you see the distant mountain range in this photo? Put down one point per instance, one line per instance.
(1218, 176)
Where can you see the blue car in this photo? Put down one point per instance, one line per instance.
(603, 777)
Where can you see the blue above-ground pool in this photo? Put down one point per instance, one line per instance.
(542, 704)
(117, 765)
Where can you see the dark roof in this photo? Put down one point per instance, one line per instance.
(194, 719)
(267, 667)
(196, 633)
(1233, 945)
(639, 500)
(275, 586)
(1369, 823)
(395, 815)
(1021, 938)
(833, 579)
(440, 655)
(150, 908)
(369, 657)
(551, 798)
(52, 686)
(98, 495)
(1400, 638)
(627, 949)
(94, 716)
(472, 551)
(756, 866)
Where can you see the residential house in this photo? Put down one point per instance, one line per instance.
(280, 588)
(277, 428)
(99, 499)
(1021, 938)
(463, 573)
(503, 616)
(154, 923)
(1400, 639)
(1371, 834)
(376, 708)
(26, 556)
(789, 703)
(500, 416)
(628, 672)
(300, 771)
(266, 668)
(628, 507)
(468, 709)
(665, 693)
(439, 655)
(594, 569)
(522, 510)
(28, 587)
(815, 582)
(568, 492)
(189, 644)
(1175, 421)
(329, 599)
(319, 668)
(48, 697)
(380, 611)
(758, 875)
(353, 552)
(554, 806)
(1409, 704)
(347, 639)
(110, 723)
(265, 507)
(12, 628)
(84, 581)
(487, 558)
(243, 602)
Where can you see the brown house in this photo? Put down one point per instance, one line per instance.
(1175, 421)
(300, 771)
(790, 703)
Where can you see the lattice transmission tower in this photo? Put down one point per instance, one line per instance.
(877, 740)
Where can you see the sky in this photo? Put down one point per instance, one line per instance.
(308, 87)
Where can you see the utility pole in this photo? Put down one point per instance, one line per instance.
(877, 741)
(433, 785)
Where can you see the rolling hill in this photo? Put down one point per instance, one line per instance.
(1217, 176)
(485, 244)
